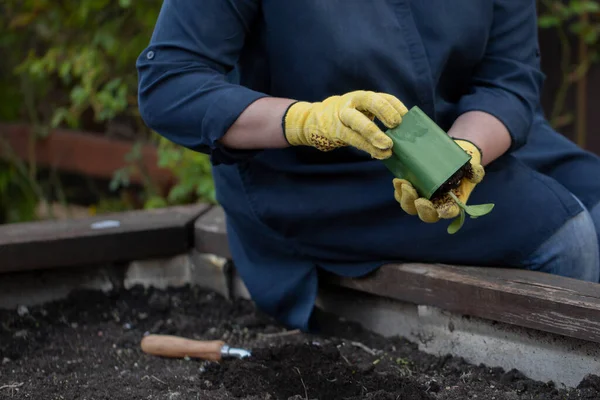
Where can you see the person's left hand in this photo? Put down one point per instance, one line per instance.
(445, 207)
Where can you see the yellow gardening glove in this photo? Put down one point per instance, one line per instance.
(346, 120)
(445, 207)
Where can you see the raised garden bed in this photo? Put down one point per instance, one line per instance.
(84, 153)
(87, 346)
(111, 237)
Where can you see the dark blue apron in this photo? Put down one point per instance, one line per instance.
(293, 211)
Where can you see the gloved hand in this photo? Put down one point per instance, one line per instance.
(345, 120)
(445, 207)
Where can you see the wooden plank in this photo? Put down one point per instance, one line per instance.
(82, 153)
(210, 233)
(530, 299)
(525, 298)
(114, 237)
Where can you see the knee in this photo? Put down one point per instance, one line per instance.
(572, 251)
(595, 213)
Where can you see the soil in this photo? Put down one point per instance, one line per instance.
(87, 347)
(452, 183)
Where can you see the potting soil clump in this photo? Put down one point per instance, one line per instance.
(87, 347)
(466, 172)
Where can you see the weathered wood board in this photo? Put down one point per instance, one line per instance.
(210, 233)
(529, 299)
(525, 298)
(107, 238)
(81, 153)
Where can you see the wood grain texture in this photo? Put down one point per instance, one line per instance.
(180, 347)
(530, 299)
(125, 236)
(536, 300)
(211, 233)
(82, 153)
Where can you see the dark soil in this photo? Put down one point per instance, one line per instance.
(452, 183)
(87, 347)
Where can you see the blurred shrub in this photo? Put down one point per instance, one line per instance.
(17, 197)
(579, 20)
(72, 64)
(78, 56)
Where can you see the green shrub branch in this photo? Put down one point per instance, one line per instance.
(72, 65)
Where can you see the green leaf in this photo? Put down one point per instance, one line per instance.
(580, 7)
(155, 202)
(135, 154)
(457, 223)
(22, 20)
(120, 179)
(64, 71)
(547, 21)
(592, 6)
(79, 95)
(479, 210)
(591, 36)
(59, 116)
(473, 211)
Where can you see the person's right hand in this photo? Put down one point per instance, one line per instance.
(345, 120)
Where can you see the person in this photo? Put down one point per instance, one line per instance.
(291, 100)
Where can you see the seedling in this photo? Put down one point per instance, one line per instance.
(473, 211)
(432, 162)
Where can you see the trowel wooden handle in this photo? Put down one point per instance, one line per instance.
(178, 347)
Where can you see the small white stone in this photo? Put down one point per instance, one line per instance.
(21, 334)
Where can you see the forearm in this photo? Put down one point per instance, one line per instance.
(485, 131)
(259, 126)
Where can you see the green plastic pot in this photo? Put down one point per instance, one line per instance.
(427, 157)
(423, 153)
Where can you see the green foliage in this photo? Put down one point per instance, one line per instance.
(18, 200)
(188, 167)
(580, 18)
(571, 18)
(71, 64)
(557, 13)
(82, 51)
(192, 171)
(474, 212)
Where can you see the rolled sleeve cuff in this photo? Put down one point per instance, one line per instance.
(220, 116)
(505, 107)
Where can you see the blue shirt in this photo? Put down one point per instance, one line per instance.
(294, 212)
(446, 57)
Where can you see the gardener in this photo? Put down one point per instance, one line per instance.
(295, 135)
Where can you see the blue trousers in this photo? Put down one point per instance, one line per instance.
(573, 251)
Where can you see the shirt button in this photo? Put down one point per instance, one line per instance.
(150, 55)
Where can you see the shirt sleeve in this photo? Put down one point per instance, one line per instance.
(184, 88)
(508, 81)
